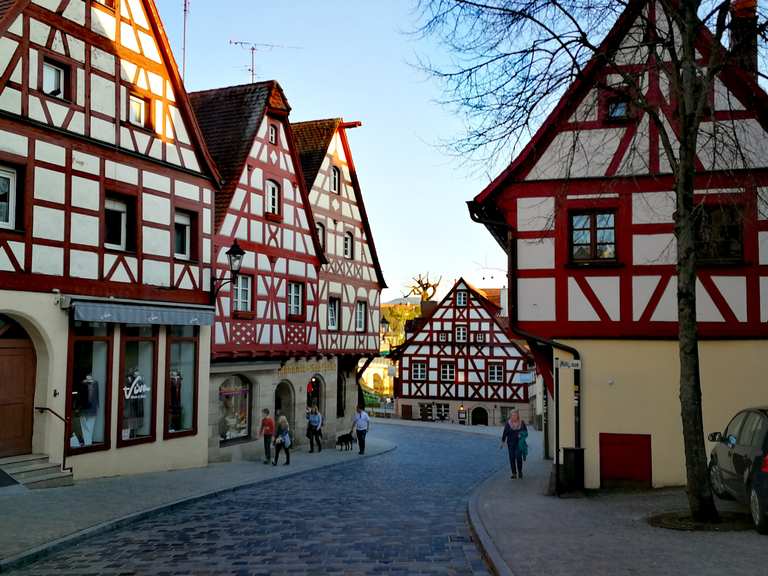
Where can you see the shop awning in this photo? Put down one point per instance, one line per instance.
(122, 313)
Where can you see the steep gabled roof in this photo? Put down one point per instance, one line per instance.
(312, 140)
(744, 85)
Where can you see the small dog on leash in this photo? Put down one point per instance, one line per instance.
(345, 441)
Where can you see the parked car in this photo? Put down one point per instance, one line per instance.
(738, 467)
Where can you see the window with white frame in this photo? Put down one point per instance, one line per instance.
(7, 198)
(182, 241)
(495, 372)
(241, 294)
(55, 79)
(419, 370)
(447, 372)
(361, 313)
(479, 337)
(138, 113)
(333, 313)
(461, 298)
(295, 299)
(349, 246)
(320, 234)
(115, 224)
(335, 180)
(461, 333)
(273, 133)
(442, 337)
(273, 197)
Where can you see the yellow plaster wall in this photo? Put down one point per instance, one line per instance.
(631, 387)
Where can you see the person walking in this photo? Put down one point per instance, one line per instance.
(314, 428)
(361, 424)
(267, 430)
(515, 435)
(282, 440)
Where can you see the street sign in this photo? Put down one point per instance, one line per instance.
(572, 364)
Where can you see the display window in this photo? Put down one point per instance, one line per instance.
(234, 409)
(90, 373)
(181, 382)
(138, 359)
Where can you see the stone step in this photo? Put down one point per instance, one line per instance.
(9, 460)
(20, 472)
(52, 480)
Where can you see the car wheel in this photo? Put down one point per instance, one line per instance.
(716, 481)
(759, 515)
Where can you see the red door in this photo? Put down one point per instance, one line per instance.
(17, 392)
(625, 461)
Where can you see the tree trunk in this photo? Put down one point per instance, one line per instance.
(700, 498)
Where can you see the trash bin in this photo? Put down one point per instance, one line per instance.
(572, 476)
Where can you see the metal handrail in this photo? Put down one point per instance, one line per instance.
(42, 410)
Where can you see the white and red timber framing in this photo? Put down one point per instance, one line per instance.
(586, 215)
(108, 200)
(461, 353)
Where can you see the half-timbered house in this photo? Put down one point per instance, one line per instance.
(266, 336)
(586, 213)
(460, 364)
(106, 204)
(351, 281)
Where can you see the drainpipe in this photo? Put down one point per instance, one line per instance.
(511, 250)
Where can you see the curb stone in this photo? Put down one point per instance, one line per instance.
(486, 544)
(36, 553)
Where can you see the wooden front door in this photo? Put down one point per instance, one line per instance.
(17, 393)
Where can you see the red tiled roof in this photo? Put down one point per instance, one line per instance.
(229, 118)
(492, 294)
(312, 140)
(6, 5)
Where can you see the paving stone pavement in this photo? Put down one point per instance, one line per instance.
(401, 513)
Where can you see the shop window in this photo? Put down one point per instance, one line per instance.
(273, 197)
(341, 392)
(719, 233)
(447, 372)
(320, 234)
(139, 111)
(182, 242)
(241, 294)
(234, 409)
(335, 180)
(442, 411)
(461, 298)
(593, 236)
(273, 133)
(349, 246)
(119, 223)
(56, 79)
(181, 385)
(426, 411)
(333, 313)
(90, 375)
(495, 373)
(295, 301)
(139, 367)
(460, 333)
(8, 192)
(419, 371)
(361, 317)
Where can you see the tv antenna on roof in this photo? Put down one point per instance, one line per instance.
(184, 42)
(256, 46)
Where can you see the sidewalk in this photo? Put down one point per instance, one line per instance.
(33, 521)
(526, 533)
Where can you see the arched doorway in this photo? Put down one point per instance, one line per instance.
(17, 388)
(479, 416)
(284, 402)
(316, 393)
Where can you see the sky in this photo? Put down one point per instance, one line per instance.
(356, 59)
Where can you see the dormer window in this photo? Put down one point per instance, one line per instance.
(273, 197)
(335, 180)
(273, 133)
(349, 246)
(55, 77)
(138, 111)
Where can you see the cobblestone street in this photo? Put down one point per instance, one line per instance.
(400, 513)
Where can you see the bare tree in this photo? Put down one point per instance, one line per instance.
(423, 288)
(512, 60)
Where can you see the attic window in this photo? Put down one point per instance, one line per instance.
(55, 79)
(618, 109)
(273, 134)
(461, 298)
(335, 180)
(138, 109)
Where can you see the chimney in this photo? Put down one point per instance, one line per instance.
(743, 45)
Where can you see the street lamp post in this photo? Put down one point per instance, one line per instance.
(235, 259)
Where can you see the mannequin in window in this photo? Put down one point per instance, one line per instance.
(176, 381)
(135, 391)
(88, 407)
